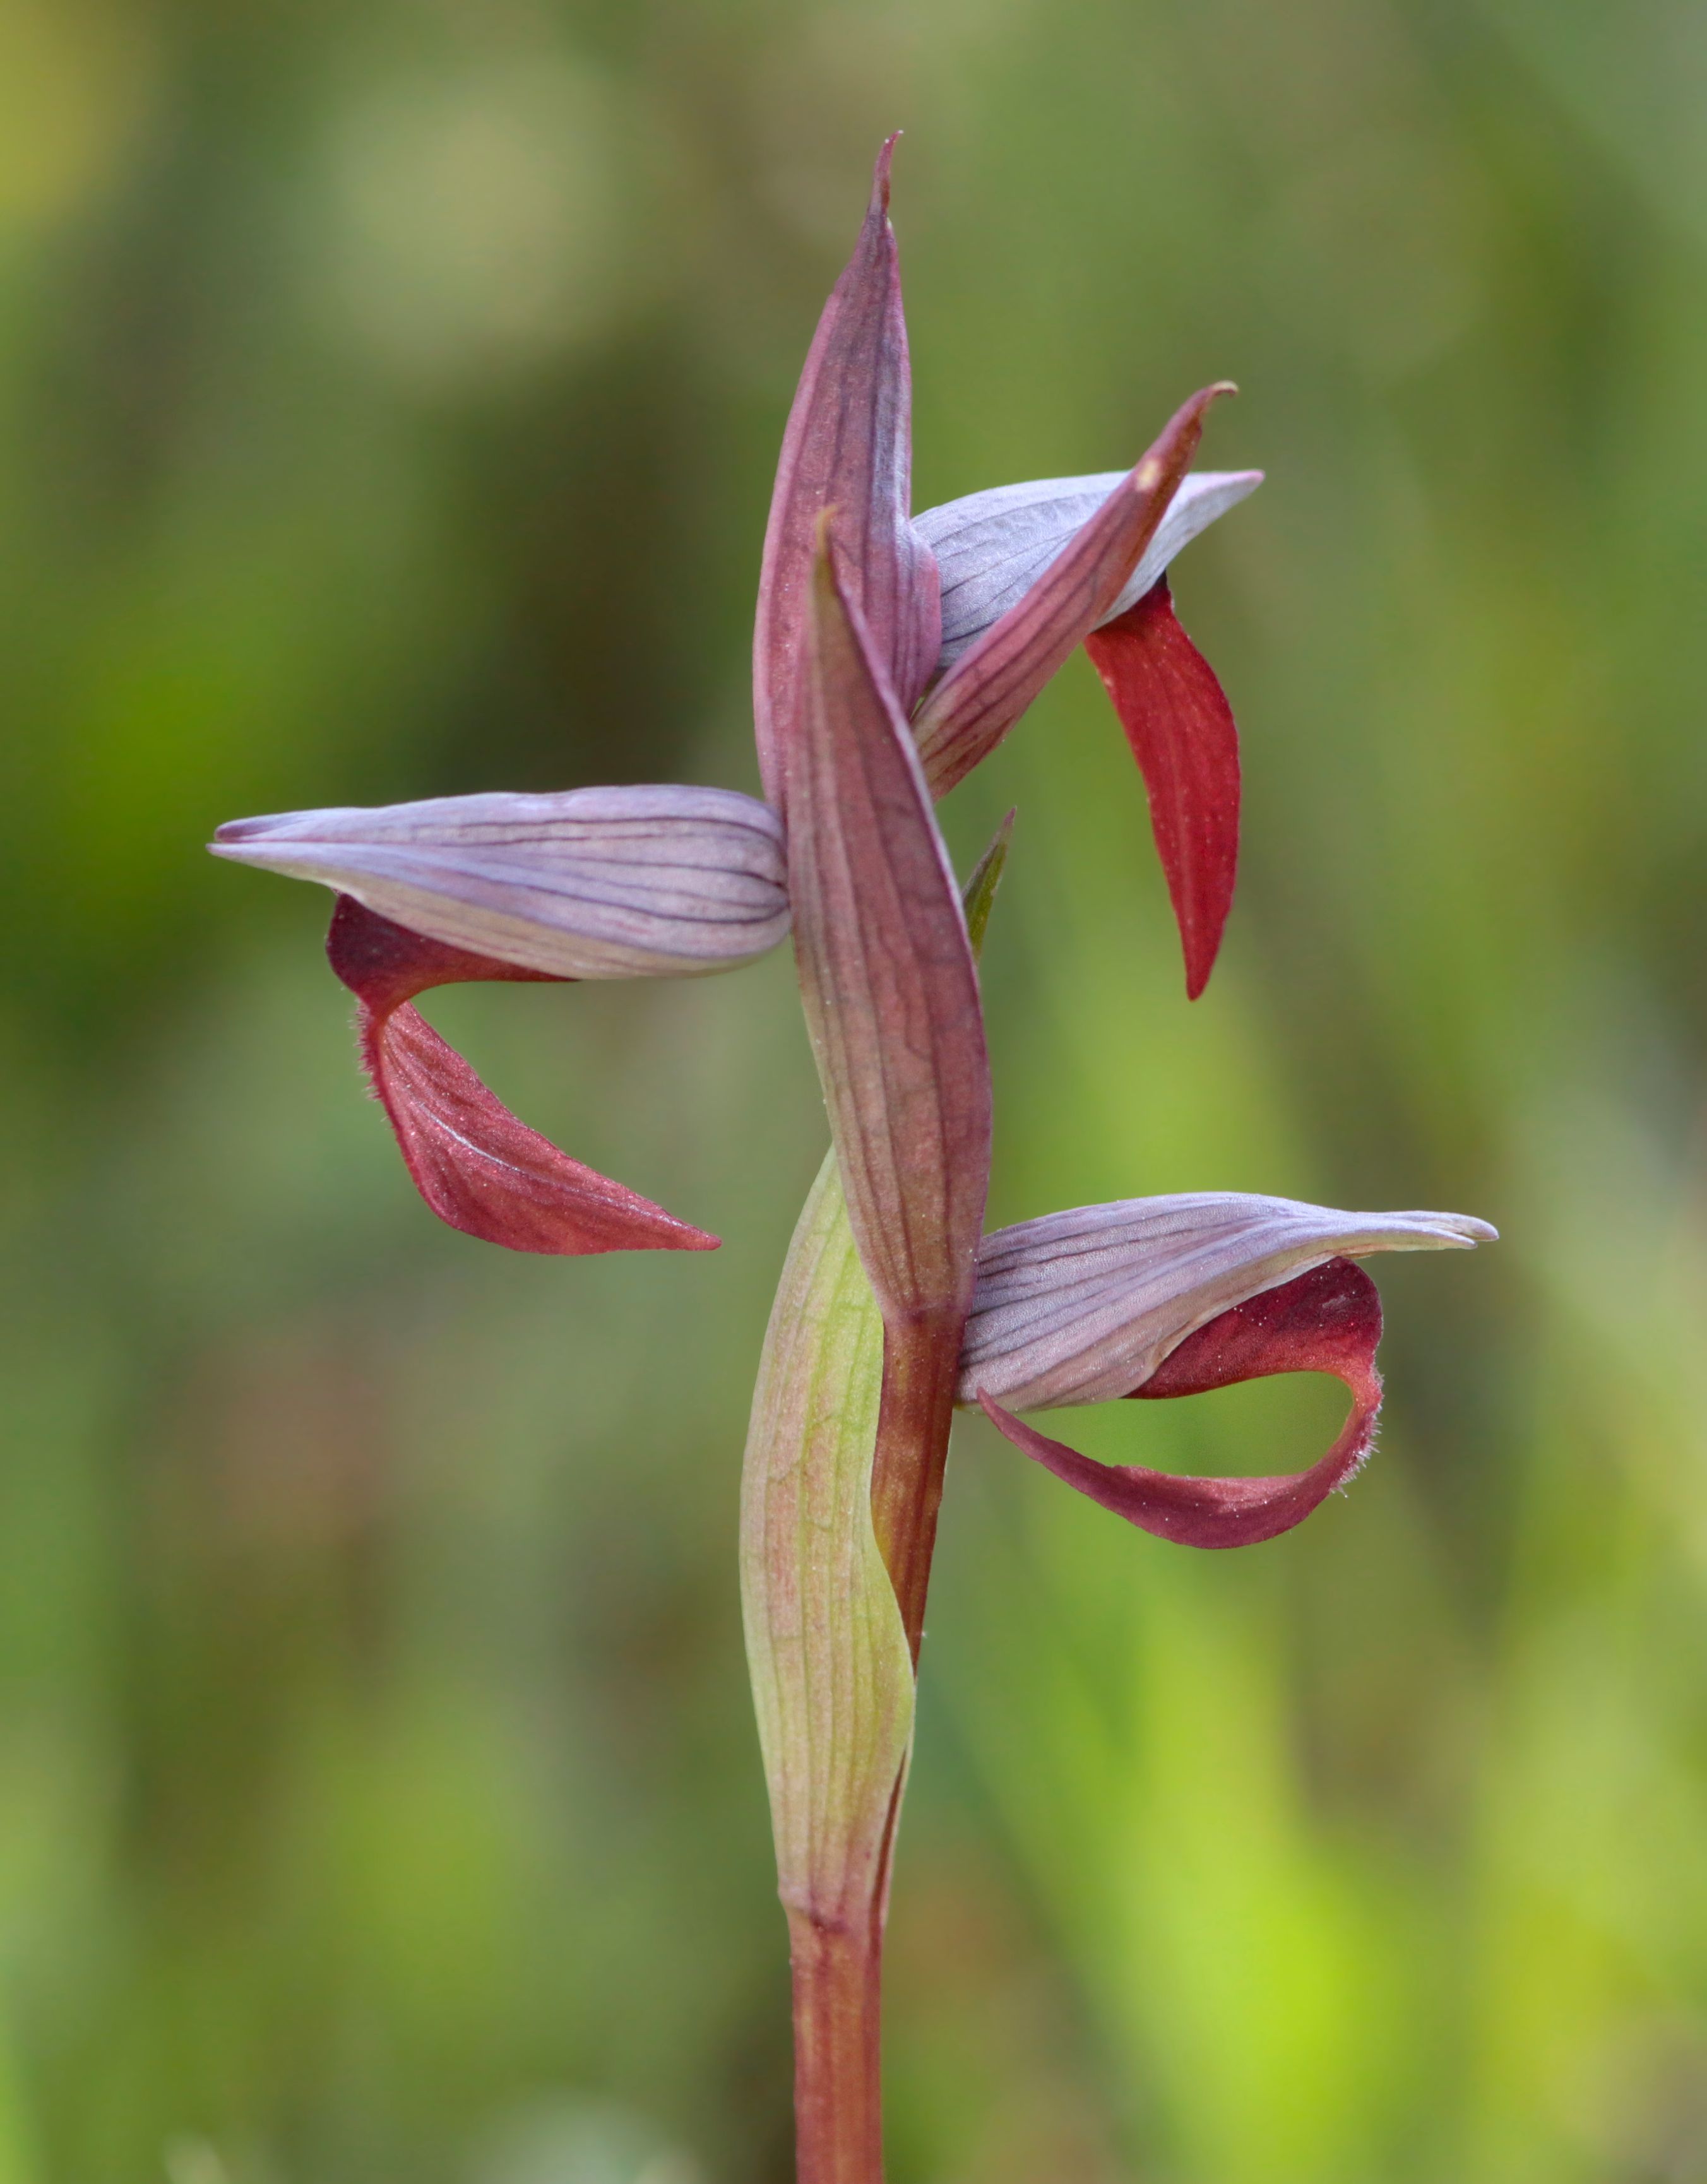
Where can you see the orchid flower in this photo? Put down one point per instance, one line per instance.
(892, 654)
(1173, 1296)
(593, 883)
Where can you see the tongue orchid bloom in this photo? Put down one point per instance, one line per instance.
(1173, 1296)
(892, 654)
(595, 883)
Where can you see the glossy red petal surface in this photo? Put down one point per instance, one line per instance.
(1181, 728)
(1326, 1321)
(474, 1163)
(848, 446)
(484, 1172)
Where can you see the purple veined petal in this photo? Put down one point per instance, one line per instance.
(1328, 1320)
(848, 446)
(478, 1167)
(634, 882)
(991, 547)
(1083, 1307)
(993, 681)
(887, 975)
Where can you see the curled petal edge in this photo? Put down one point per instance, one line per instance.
(477, 1166)
(1328, 1320)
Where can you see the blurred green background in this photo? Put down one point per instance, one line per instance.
(388, 395)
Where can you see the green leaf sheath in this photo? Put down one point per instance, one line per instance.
(832, 1673)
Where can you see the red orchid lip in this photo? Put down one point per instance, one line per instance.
(1326, 1321)
(1181, 728)
(478, 1167)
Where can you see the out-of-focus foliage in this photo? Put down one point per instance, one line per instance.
(387, 397)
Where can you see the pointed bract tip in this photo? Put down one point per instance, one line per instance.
(977, 898)
(1188, 417)
(880, 172)
(1193, 411)
(235, 837)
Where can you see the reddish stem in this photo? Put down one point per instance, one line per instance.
(920, 1364)
(837, 2081)
(837, 1965)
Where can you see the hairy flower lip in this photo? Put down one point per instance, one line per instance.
(609, 883)
(1082, 1306)
(993, 545)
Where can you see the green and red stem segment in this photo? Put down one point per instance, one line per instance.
(890, 994)
(843, 1481)
(846, 647)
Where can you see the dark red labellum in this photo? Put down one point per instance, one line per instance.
(1181, 728)
(474, 1163)
(1326, 1321)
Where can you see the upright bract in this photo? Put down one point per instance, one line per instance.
(891, 1000)
(995, 679)
(848, 446)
